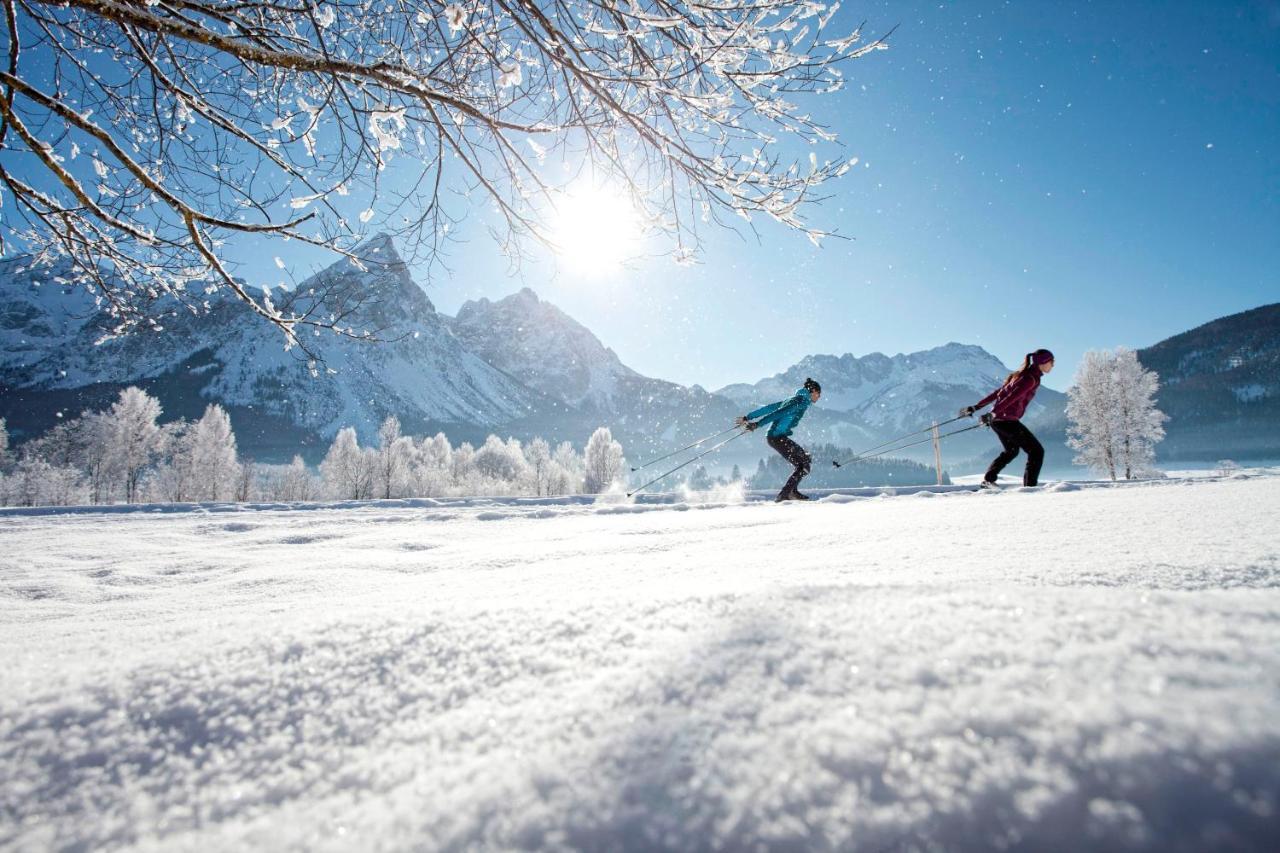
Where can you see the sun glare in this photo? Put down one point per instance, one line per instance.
(596, 230)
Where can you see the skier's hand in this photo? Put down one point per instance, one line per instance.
(986, 419)
(750, 426)
(741, 420)
(967, 411)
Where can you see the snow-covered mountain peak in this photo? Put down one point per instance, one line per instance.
(375, 283)
(543, 347)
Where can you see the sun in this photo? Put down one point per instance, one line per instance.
(595, 229)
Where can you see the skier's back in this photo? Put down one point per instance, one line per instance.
(782, 418)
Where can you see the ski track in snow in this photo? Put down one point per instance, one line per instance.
(1071, 667)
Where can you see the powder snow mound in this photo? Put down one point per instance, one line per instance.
(614, 495)
(856, 676)
(728, 494)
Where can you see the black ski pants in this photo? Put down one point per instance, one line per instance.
(1014, 436)
(796, 455)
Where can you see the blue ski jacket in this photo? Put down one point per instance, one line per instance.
(783, 416)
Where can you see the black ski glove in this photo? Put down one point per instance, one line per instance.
(967, 411)
(750, 426)
(986, 419)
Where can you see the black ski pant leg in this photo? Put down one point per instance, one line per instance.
(1014, 436)
(1035, 456)
(796, 455)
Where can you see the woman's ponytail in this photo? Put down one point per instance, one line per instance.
(1026, 363)
(1040, 356)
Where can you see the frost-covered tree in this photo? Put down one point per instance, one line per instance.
(26, 484)
(91, 433)
(394, 458)
(80, 444)
(501, 462)
(6, 458)
(460, 467)
(37, 482)
(567, 471)
(602, 461)
(137, 138)
(213, 456)
(297, 483)
(1091, 413)
(1140, 423)
(347, 469)
(700, 480)
(736, 476)
(537, 454)
(174, 479)
(246, 482)
(431, 471)
(1114, 422)
(134, 438)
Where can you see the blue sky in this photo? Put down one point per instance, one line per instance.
(1065, 175)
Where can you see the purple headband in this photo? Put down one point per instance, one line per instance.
(1041, 356)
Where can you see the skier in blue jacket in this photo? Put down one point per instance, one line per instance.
(782, 418)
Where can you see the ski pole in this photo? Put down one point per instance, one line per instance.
(697, 443)
(905, 446)
(711, 449)
(864, 453)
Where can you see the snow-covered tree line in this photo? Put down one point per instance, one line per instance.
(401, 466)
(1114, 423)
(125, 454)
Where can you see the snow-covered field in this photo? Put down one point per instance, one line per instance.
(1052, 669)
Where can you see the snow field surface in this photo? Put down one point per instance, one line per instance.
(1048, 669)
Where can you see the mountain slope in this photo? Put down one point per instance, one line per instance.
(1220, 385)
(537, 343)
(544, 348)
(421, 373)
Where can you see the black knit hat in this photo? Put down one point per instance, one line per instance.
(812, 385)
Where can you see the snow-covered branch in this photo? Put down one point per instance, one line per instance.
(138, 137)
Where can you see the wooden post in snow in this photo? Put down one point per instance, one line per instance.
(937, 453)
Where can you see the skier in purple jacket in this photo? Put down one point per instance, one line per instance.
(1011, 400)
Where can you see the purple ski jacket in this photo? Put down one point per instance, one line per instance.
(1011, 399)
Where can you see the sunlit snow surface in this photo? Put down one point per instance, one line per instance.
(1071, 667)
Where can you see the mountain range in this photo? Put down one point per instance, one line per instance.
(520, 366)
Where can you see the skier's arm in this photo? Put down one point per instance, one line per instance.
(765, 411)
(1011, 389)
(987, 399)
(773, 411)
